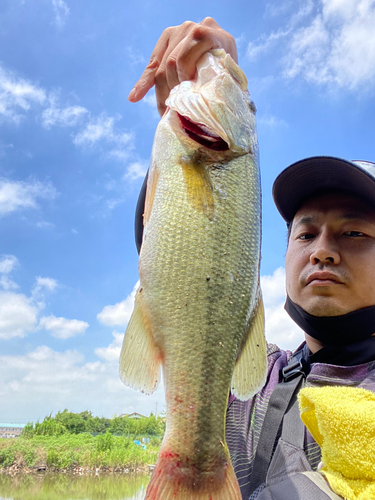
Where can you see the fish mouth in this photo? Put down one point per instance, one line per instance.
(202, 134)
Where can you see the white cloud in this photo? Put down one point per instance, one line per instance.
(264, 43)
(41, 286)
(114, 202)
(118, 314)
(61, 11)
(18, 315)
(136, 170)
(8, 263)
(280, 328)
(100, 132)
(102, 128)
(44, 224)
(7, 283)
(271, 121)
(45, 381)
(17, 95)
(134, 56)
(16, 195)
(268, 42)
(274, 9)
(49, 283)
(112, 352)
(150, 99)
(63, 328)
(335, 47)
(18, 312)
(63, 116)
(240, 41)
(122, 154)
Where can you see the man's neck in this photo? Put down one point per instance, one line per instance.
(314, 345)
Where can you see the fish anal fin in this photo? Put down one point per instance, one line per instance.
(171, 480)
(250, 371)
(140, 358)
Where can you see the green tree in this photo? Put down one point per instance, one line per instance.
(28, 431)
(97, 425)
(50, 427)
(120, 425)
(72, 421)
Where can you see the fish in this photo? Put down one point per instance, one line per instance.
(198, 313)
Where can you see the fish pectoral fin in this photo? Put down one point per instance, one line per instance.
(250, 371)
(140, 358)
(198, 185)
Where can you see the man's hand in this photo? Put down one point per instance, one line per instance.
(175, 56)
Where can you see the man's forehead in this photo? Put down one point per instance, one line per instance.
(336, 205)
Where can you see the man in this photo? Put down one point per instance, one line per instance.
(329, 206)
(330, 294)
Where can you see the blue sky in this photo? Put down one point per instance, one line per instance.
(73, 153)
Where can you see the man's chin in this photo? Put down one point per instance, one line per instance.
(324, 307)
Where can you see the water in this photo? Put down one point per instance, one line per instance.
(72, 487)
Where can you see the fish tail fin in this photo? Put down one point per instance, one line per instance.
(140, 359)
(173, 481)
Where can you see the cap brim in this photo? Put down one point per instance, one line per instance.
(302, 179)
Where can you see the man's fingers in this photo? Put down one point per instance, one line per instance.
(145, 83)
(175, 57)
(162, 91)
(147, 79)
(199, 40)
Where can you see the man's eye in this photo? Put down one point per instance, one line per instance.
(354, 234)
(306, 236)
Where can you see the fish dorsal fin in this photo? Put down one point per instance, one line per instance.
(250, 371)
(140, 359)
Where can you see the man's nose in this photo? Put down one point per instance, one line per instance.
(325, 250)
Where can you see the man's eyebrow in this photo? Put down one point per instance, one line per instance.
(356, 215)
(306, 219)
(310, 219)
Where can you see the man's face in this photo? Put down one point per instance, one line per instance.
(330, 260)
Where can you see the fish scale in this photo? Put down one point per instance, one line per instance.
(198, 312)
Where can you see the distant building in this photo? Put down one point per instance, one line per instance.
(10, 430)
(135, 415)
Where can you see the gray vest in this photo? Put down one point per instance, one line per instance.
(286, 474)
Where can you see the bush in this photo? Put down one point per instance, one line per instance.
(6, 457)
(28, 430)
(104, 442)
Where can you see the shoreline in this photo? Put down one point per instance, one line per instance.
(77, 455)
(76, 470)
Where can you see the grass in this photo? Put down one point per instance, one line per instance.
(70, 451)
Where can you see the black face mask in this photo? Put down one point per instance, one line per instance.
(334, 330)
(348, 338)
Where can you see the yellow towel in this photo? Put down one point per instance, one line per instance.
(342, 422)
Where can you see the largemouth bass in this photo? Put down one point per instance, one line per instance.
(198, 312)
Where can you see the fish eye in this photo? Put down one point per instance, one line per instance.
(251, 105)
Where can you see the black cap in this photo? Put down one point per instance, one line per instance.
(302, 179)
